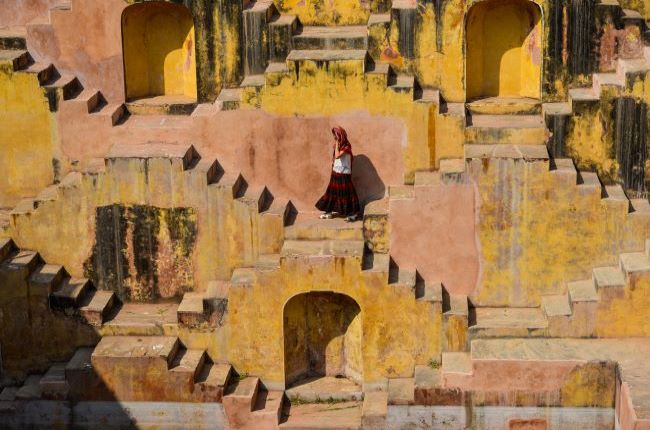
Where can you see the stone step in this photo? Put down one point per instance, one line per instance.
(16, 59)
(456, 363)
(7, 247)
(31, 388)
(22, 260)
(582, 291)
(135, 347)
(229, 98)
(308, 226)
(188, 363)
(233, 182)
(322, 416)
(24, 206)
(505, 106)
(426, 179)
(13, 39)
(115, 112)
(634, 263)
(213, 379)
(89, 100)
(319, 248)
(374, 410)
(556, 305)
(401, 192)
(259, 199)
(70, 293)
(66, 86)
(100, 305)
(53, 384)
(268, 408)
(162, 105)
(608, 277)
(80, 375)
(45, 279)
(184, 153)
(583, 95)
(517, 152)
(44, 72)
(510, 129)
(324, 388)
(351, 61)
(508, 322)
(239, 402)
(283, 208)
(331, 38)
(191, 311)
(141, 319)
(401, 391)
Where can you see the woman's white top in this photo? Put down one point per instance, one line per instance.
(343, 164)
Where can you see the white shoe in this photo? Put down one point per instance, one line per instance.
(351, 218)
(326, 215)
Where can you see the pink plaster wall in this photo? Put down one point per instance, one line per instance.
(508, 376)
(435, 233)
(290, 155)
(18, 13)
(85, 41)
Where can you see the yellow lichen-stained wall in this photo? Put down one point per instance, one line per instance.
(537, 230)
(67, 230)
(28, 137)
(159, 54)
(327, 12)
(398, 332)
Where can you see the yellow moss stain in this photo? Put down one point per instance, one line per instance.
(628, 314)
(327, 12)
(27, 139)
(590, 385)
(537, 233)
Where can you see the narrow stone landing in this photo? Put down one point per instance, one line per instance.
(505, 106)
(339, 416)
(141, 319)
(325, 389)
(162, 105)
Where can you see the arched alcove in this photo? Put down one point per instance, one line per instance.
(159, 55)
(504, 49)
(322, 337)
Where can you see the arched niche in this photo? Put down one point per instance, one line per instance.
(504, 49)
(322, 337)
(159, 55)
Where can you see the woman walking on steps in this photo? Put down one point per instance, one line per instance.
(340, 198)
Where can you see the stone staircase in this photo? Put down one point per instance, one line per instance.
(182, 178)
(120, 368)
(294, 48)
(73, 296)
(63, 91)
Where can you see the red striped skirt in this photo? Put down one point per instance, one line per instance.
(340, 196)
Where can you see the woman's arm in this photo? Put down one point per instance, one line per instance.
(337, 151)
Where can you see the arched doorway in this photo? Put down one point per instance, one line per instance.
(504, 49)
(322, 337)
(159, 56)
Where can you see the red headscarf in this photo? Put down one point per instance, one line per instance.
(342, 138)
